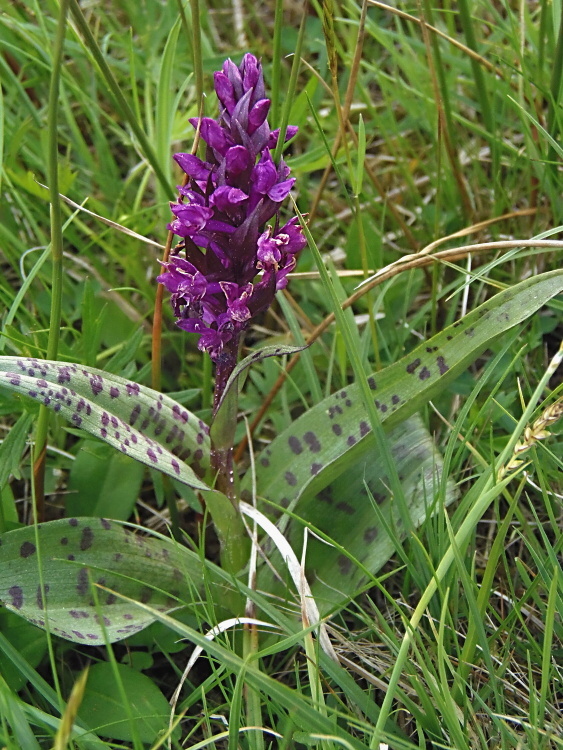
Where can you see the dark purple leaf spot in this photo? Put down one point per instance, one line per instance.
(87, 538)
(198, 455)
(337, 429)
(326, 496)
(64, 540)
(395, 399)
(96, 384)
(412, 366)
(264, 461)
(312, 441)
(105, 524)
(424, 374)
(364, 428)
(370, 534)
(315, 468)
(82, 582)
(114, 392)
(27, 549)
(346, 508)
(105, 418)
(344, 564)
(152, 455)
(295, 445)
(290, 478)
(76, 419)
(351, 440)
(348, 403)
(16, 595)
(114, 422)
(78, 614)
(200, 437)
(136, 410)
(442, 366)
(383, 408)
(64, 375)
(103, 432)
(175, 465)
(371, 382)
(111, 599)
(146, 595)
(132, 389)
(70, 557)
(42, 383)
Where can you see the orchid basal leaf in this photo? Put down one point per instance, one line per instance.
(334, 434)
(83, 562)
(140, 422)
(344, 511)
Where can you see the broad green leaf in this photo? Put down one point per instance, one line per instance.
(102, 704)
(77, 553)
(140, 422)
(344, 511)
(334, 434)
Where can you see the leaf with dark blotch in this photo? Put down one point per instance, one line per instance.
(83, 561)
(333, 435)
(344, 511)
(140, 422)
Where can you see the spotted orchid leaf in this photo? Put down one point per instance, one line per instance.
(357, 511)
(334, 434)
(85, 563)
(140, 422)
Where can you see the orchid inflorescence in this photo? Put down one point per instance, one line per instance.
(230, 263)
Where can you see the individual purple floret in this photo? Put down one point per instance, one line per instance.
(232, 262)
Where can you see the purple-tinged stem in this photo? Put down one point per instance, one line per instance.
(222, 444)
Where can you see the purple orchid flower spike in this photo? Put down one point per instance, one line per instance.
(231, 262)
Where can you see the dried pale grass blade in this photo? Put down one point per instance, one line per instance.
(108, 222)
(308, 604)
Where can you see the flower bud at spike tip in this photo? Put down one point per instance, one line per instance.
(234, 262)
